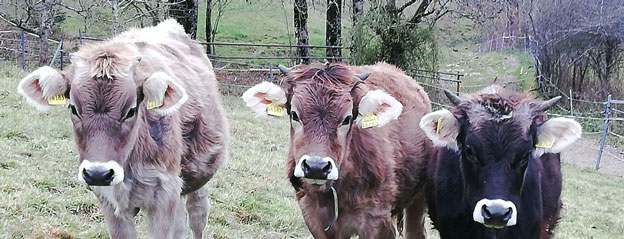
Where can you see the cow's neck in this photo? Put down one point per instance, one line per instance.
(156, 145)
(364, 166)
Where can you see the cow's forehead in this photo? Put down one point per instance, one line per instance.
(112, 93)
(481, 113)
(315, 97)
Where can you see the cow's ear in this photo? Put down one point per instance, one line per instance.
(441, 127)
(163, 94)
(266, 99)
(556, 134)
(377, 108)
(43, 88)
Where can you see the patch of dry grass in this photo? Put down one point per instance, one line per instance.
(40, 196)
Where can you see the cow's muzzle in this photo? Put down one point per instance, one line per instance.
(316, 170)
(100, 174)
(495, 213)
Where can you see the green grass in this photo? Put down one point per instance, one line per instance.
(40, 196)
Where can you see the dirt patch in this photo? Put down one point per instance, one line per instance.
(584, 153)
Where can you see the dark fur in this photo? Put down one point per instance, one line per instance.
(456, 185)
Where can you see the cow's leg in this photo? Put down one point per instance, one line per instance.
(119, 226)
(380, 227)
(161, 214)
(198, 207)
(181, 230)
(415, 216)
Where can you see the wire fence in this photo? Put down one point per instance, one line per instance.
(236, 73)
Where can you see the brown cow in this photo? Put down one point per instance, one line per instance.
(354, 145)
(148, 123)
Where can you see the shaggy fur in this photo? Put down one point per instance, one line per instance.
(503, 124)
(166, 155)
(381, 169)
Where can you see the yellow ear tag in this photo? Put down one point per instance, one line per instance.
(275, 110)
(370, 121)
(545, 144)
(152, 104)
(439, 125)
(57, 100)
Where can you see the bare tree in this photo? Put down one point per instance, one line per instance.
(185, 12)
(212, 27)
(301, 31)
(333, 28)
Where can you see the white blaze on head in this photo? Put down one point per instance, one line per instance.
(99, 166)
(333, 175)
(477, 214)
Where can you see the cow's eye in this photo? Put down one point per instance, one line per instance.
(73, 110)
(471, 154)
(294, 116)
(347, 120)
(131, 113)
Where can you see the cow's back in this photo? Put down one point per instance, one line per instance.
(413, 147)
(203, 126)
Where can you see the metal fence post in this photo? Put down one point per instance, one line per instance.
(604, 133)
(503, 41)
(58, 49)
(23, 53)
(80, 36)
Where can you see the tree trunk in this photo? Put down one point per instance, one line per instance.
(333, 33)
(358, 6)
(301, 31)
(209, 49)
(115, 17)
(43, 36)
(185, 12)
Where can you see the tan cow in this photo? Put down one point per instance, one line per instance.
(148, 123)
(357, 156)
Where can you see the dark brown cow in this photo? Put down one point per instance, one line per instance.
(353, 137)
(148, 123)
(498, 170)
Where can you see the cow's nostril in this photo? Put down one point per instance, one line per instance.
(110, 174)
(305, 166)
(327, 168)
(486, 214)
(507, 214)
(85, 173)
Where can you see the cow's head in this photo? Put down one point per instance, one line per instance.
(497, 134)
(104, 92)
(325, 103)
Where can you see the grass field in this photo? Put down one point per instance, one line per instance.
(40, 196)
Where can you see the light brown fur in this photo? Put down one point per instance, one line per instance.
(163, 156)
(381, 169)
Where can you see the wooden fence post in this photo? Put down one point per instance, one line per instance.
(23, 53)
(571, 108)
(271, 72)
(604, 133)
(458, 83)
(61, 53)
